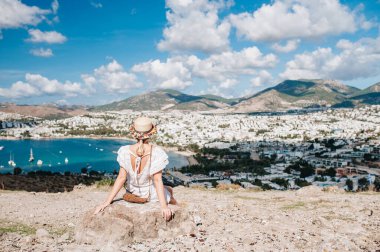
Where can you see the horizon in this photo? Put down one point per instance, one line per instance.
(96, 52)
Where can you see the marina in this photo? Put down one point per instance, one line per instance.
(71, 154)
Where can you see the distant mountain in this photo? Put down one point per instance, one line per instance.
(168, 99)
(368, 96)
(289, 94)
(46, 111)
(295, 94)
(375, 88)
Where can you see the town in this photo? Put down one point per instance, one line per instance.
(332, 147)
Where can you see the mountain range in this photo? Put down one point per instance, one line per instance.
(289, 94)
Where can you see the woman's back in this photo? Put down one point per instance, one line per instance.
(138, 180)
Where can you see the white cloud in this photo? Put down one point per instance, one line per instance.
(290, 46)
(170, 74)
(262, 78)
(216, 90)
(96, 5)
(231, 64)
(38, 85)
(287, 19)
(51, 37)
(113, 77)
(55, 6)
(195, 25)
(360, 59)
(41, 52)
(15, 14)
(221, 69)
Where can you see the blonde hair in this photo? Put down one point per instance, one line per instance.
(140, 149)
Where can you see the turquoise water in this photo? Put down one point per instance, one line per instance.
(96, 154)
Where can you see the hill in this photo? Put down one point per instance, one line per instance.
(46, 111)
(295, 94)
(368, 96)
(231, 220)
(168, 99)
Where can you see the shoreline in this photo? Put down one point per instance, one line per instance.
(187, 154)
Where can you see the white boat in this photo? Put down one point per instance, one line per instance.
(11, 162)
(31, 158)
(59, 163)
(60, 152)
(101, 149)
(39, 162)
(1, 166)
(66, 160)
(1, 147)
(89, 144)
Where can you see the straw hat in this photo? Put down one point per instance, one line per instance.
(142, 128)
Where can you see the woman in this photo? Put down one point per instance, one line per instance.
(138, 164)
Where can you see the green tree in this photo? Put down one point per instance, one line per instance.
(363, 184)
(330, 172)
(349, 184)
(17, 171)
(377, 184)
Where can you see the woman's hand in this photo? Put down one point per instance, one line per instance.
(167, 213)
(101, 207)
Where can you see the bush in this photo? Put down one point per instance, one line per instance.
(93, 173)
(363, 184)
(105, 182)
(349, 184)
(17, 171)
(301, 182)
(377, 184)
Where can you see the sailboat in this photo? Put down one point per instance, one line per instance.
(11, 162)
(66, 160)
(31, 158)
(1, 147)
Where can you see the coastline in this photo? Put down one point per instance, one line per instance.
(188, 154)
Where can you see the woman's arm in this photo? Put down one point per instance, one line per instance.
(166, 212)
(119, 182)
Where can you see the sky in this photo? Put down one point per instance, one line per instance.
(89, 52)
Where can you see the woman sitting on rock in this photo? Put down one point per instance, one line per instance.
(138, 164)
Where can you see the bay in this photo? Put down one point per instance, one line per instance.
(95, 154)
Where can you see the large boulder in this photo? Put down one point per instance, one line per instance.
(122, 223)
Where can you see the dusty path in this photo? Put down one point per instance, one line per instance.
(306, 220)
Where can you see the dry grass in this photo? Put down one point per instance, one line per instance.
(14, 227)
(227, 187)
(296, 205)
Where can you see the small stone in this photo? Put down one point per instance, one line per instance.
(42, 233)
(197, 220)
(71, 224)
(64, 237)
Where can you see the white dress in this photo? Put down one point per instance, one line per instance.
(140, 184)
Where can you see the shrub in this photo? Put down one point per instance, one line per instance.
(17, 171)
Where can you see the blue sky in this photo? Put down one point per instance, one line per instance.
(95, 52)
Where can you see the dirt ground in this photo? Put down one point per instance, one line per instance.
(228, 220)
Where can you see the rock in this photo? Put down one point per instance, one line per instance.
(309, 191)
(333, 189)
(64, 237)
(41, 233)
(197, 220)
(122, 223)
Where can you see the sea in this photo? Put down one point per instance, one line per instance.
(69, 154)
